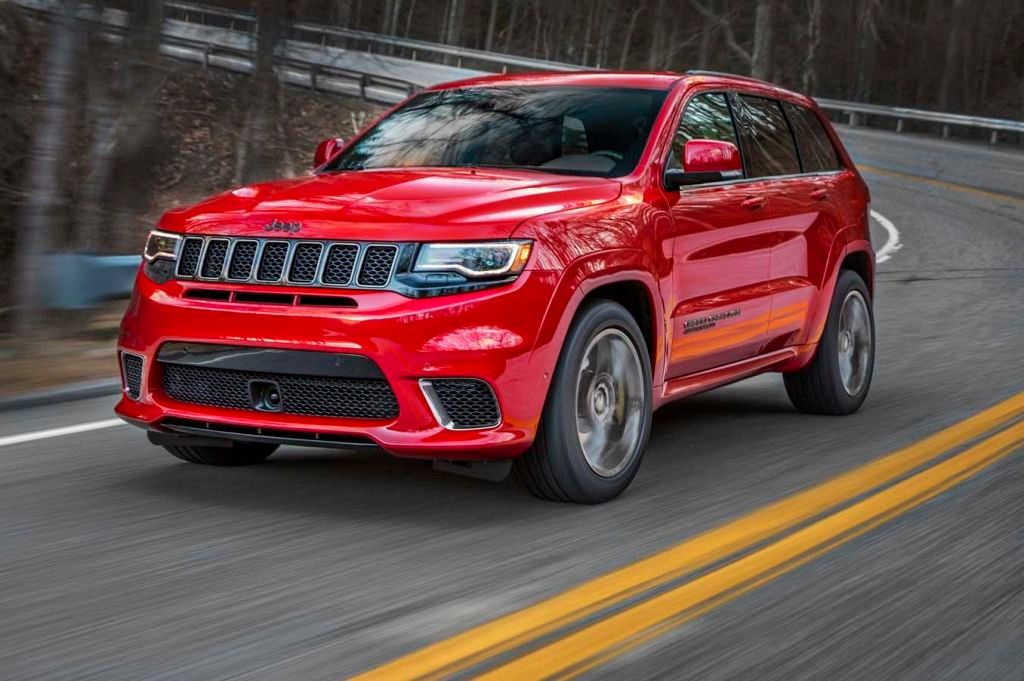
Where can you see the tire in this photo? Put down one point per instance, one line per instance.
(241, 454)
(615, 407)
(820, 388)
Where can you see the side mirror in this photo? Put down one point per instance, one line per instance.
(327, 150)
(706, 161)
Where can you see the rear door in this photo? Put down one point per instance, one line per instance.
(721, 252)
(809, 210)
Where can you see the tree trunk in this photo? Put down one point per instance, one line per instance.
(627, 42)
(587, 33)
(492, 20)
(137, 144)
(764, 39)
(810, 79)
(47, 145)
(260, 144)
(709, 27)
(339, 14)
(867, 49)
(952, 55)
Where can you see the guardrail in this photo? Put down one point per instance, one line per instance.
(213, 36)
(855, 114)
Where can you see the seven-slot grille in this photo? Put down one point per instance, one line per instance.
(290, 262)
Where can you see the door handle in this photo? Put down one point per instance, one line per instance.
(754, 203)
(819, 194)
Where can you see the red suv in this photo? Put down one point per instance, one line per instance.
(512, 271)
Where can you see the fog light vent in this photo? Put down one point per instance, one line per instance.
(462, 403)
(131, 367)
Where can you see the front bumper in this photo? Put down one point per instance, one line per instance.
(494, 335)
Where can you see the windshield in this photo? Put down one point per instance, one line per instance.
(570, 130)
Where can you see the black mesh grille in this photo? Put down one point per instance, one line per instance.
(190, 251)
(468, 402)
(213, 262)
(304, 263)
(272, 262)
(304, 395)
(242, 259)
(341, 258)
(132, 367)
(376, 267)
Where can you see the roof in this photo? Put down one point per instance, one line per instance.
(649, 80)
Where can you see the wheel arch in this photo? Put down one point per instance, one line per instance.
(626, 282)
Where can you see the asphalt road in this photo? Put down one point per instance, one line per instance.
(119, 562)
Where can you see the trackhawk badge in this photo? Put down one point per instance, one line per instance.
(278, 226)
(702, 323)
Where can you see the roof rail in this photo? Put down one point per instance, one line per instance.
(724, 74)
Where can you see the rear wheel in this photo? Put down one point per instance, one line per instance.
(241, 454)
(597, 417)
(837, 379)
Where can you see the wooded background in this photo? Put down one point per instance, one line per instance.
(97, 139)
(965, 56)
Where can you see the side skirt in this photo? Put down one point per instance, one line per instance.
(719, 376)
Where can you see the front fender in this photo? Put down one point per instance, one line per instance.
(583, 276)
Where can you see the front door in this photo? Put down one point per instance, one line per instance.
(721, 253)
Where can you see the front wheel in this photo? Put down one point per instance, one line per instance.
(597, 417)
(837, 379)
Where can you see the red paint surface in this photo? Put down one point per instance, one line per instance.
(769, 249)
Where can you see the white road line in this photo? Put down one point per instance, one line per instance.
(893, 243)
(58, 432)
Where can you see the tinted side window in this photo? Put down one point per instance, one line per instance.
(706, 117)
(769, 142)
(816, 150)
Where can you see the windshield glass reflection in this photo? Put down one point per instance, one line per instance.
(580, 131)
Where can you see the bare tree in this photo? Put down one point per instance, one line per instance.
(814, 15)
(492, 19)
(259, 139)
(49, 142)
(764, 40)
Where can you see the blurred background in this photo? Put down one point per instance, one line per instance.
(117, 562)
(118, 111)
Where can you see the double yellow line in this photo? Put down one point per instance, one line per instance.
(811, 533)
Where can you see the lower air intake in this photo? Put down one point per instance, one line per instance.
(131, 367)
(354, 398)
(462, 403)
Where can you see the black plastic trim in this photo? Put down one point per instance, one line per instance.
(294, 362)
(222, 434)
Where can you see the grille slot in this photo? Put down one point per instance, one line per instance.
(242, 259)
(305, 263)
(188, 263)
(341, 260)
(213, 261)
(375, 269)
(353, 398)
(462, 403)
(272, 261)
(131, 366)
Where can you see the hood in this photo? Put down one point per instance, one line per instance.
(393, 205)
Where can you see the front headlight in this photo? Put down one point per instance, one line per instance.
(161, 245)
(474, 260)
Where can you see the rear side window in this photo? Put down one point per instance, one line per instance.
(706, 117)
(770, 145)
(816, 150)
